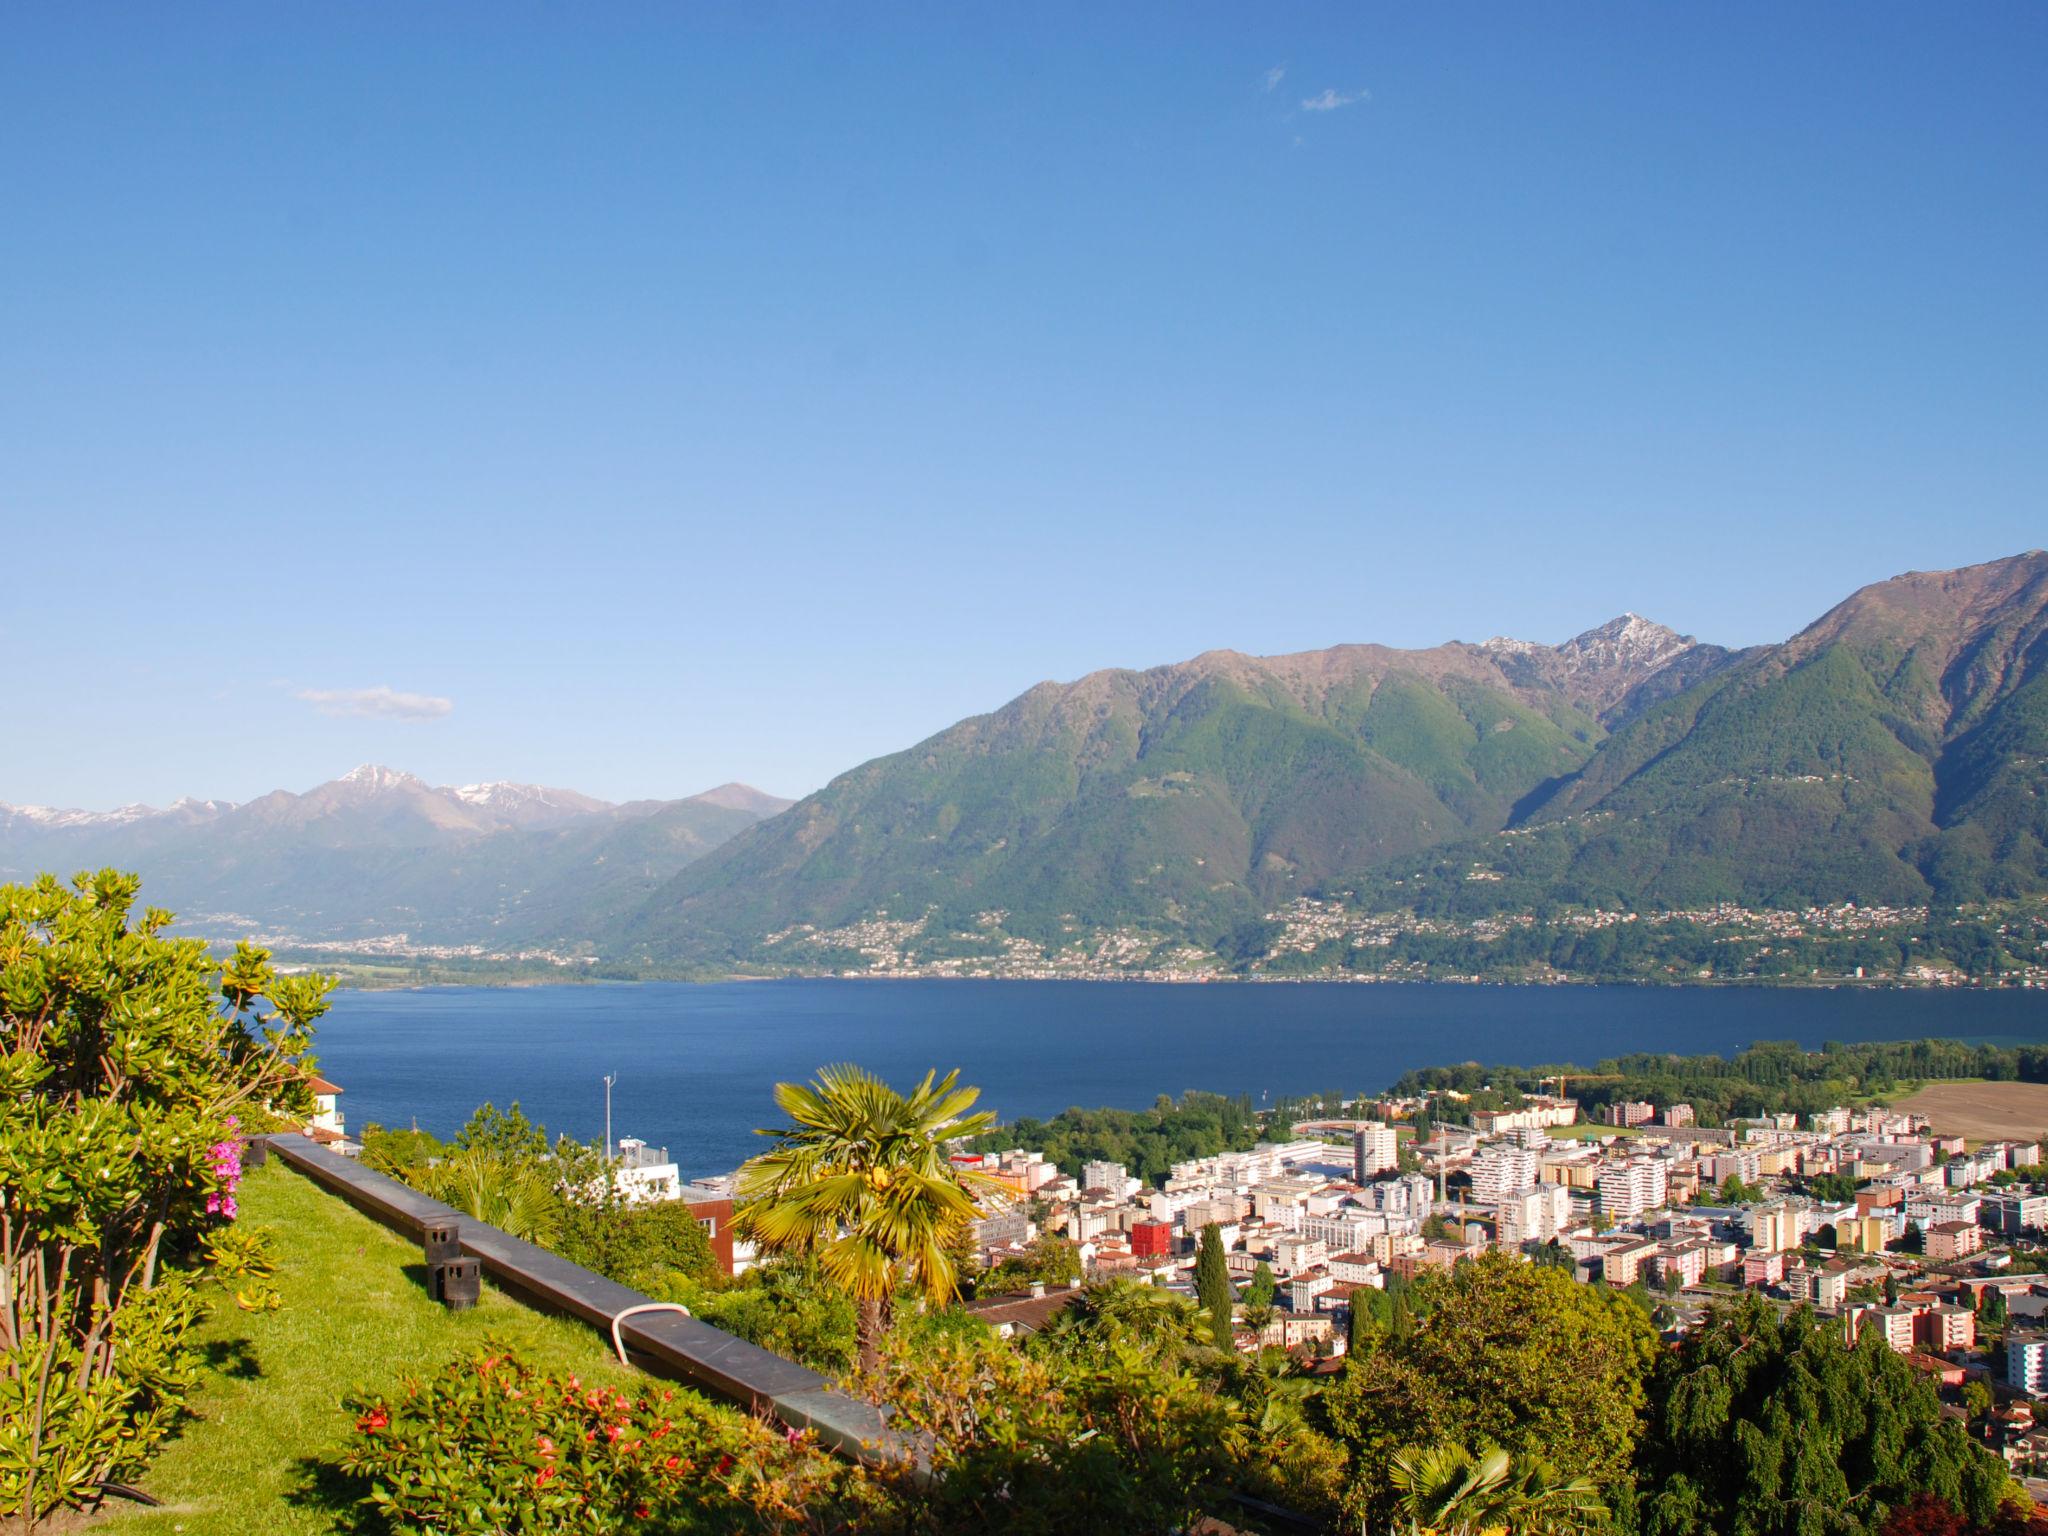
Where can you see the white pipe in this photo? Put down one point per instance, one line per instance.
(646, 1306)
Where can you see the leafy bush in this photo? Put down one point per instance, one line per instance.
(493, 1446)
(129, 1062)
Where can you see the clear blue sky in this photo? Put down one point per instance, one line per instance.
(685, 393)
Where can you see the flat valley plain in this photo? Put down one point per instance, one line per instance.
(1983, 1111)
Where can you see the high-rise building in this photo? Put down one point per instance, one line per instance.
(2026, 1362)
(1374, 1151)
(1109, 1176)
(1500, 1167)
(1533, 1214)
(1628, 1189)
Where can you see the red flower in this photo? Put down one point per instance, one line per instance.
(540, 1478)
(547, 1446)
(673, 1462)
(641, 1512)
(724, 1466)
(373, 1421)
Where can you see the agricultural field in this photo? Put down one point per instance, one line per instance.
(1982, 1111)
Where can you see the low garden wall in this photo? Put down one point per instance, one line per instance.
(664, 1343)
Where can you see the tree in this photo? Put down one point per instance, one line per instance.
(861, 1180)
(1977, 1401)
(515, 1195)
(1258, 1298)
(1773, 1425)
(1212, 1286)
(131, 1066)
(1500, 1353)
(1048, 1261)
(1735, 1192)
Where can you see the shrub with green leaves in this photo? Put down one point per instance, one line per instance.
(131, 1064)
(494, 1445)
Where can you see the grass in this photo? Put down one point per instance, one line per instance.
(268, 1413)
(1591, 1130)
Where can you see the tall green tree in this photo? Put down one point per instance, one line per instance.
(1212, 1286)
(1770, 1425)
(1498, 1353)
(861, 1180)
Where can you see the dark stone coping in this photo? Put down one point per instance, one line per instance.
(666, 1343)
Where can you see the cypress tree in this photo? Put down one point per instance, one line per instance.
(1212, 1285)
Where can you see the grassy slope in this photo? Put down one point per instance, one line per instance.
(355, 1314)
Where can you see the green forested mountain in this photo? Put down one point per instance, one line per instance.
(1892, 751)
(1895, 751)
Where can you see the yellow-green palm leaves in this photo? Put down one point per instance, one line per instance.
(862, 1181)
(1448, 1491)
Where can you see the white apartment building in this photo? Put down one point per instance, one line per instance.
(1111, 1177)
(1356, 1269)
(2026, 1362)
(1502, 1166)
(1374, 1150)
(1292, 1253)
(1632, 1187)
(1410, 1195)
(1535, 1213)
(1348, 1229)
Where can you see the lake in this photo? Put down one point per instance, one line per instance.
(695, 1063)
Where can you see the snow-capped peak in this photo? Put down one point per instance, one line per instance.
(375, 776)
(1631, 639)
(59, 816)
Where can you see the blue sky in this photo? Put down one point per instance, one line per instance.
(686, 393)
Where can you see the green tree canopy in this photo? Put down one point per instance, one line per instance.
(1770, 1425)
(1504, 1354)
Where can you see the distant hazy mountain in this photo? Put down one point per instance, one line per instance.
(1896, 748)
(377, 851)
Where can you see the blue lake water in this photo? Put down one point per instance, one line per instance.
(695, 1062)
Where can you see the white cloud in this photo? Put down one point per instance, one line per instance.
(1273, 77)
(1330, 100)
(380, 702)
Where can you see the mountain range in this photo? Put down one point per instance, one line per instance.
(1893, 751)
(379, 852)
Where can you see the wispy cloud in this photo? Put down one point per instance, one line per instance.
(379, 703)
(1271, 78)
(1330, 100)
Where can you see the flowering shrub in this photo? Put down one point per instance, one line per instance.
(128, 1062)
(492, 1444)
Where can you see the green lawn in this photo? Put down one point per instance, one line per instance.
(1591, 1130)
(355, 1314)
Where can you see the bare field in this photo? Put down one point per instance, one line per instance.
(1982, 1111)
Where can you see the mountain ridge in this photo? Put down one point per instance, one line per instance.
(1629, 763)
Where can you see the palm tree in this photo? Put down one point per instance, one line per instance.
(1447, 1490)
(861, 1180)
(512, 1194)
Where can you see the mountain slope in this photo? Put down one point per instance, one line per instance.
(1184, 798)
(1891, 752)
